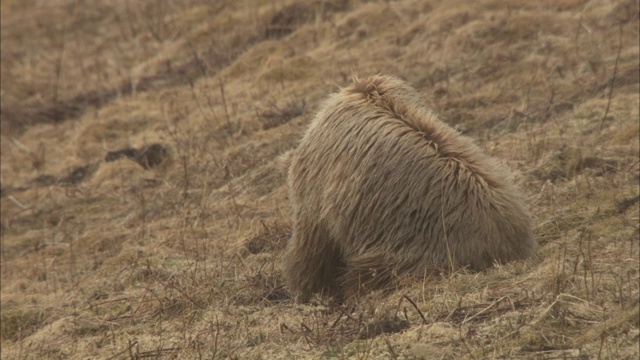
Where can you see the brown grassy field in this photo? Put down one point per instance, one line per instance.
(144, 214)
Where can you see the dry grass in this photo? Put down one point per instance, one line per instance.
(144, 213)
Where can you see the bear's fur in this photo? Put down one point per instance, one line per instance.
(380, 187)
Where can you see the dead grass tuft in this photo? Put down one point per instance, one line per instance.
(275, 115)
(19, 323)
(286, 20)
(273, 237)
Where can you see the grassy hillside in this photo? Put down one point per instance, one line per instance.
(144, 214)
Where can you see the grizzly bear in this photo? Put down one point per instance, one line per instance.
(380, 187)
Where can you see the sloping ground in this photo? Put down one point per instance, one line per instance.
(144, 213)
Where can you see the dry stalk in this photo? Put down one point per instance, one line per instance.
(128, 349)
(63, 45)
(613, 80)
(392, 353)
(195, 98)
(424, 320)
(467, 319)
(224, 103)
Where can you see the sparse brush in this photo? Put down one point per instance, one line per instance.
(275, 116)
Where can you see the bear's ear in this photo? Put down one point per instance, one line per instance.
(369, 86)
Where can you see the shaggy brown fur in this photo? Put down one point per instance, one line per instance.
(379, 188)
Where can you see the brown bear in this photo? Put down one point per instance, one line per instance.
(380, 187)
